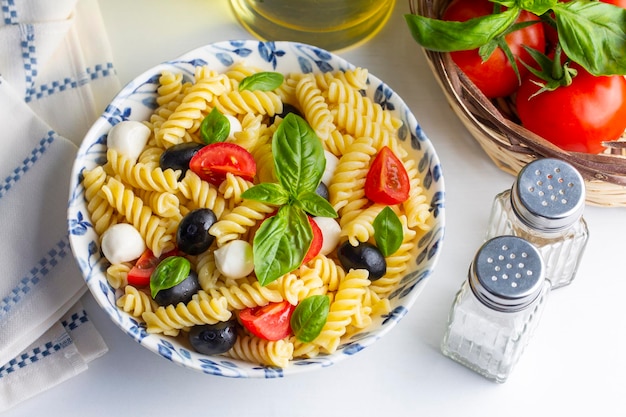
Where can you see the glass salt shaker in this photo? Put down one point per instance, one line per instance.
(497, 308)
(545, 207)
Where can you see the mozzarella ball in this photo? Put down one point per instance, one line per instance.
(331, 166)
(122, 243)
(128, 138)
(235, 126)
(330, 233)
(235, 259)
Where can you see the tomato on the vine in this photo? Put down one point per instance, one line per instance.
(269, 322)
(387, 181)
(214, 161)
(578, 117)
(495, 77)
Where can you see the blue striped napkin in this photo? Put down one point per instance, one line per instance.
(56, 77)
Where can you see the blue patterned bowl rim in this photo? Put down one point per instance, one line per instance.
(136, 101)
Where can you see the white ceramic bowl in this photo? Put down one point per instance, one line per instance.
(136, 101)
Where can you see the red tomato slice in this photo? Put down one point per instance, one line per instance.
(316, 242)
(387, 181)
(214, 161)
(139, 275)
(270, 322)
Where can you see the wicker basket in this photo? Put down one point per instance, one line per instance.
(493, 124)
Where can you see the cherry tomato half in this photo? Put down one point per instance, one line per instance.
(214, 161)
(496, 76)
(578, 117)
(270, 322)
(139, 274)
(316, 242)
(387, 181)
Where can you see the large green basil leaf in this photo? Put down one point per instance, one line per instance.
(280, 243)
(593, 34)
(309, 317)
(448, 36)
(298, 155)
(267, 192)
(316, 205)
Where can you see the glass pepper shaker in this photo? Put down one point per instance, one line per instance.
(545, 207)
(497, 308)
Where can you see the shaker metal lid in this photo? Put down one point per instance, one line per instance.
(507, 273)
(548, 194)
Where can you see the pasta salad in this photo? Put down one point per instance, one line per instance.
(273, 212)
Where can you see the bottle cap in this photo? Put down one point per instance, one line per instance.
(548, 195)
(507, 273)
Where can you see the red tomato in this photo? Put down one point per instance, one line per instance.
(139, 275)
(495, 77)
(578, 117)
(214, 161)
(316, 243)
(270, 322)
(387, 181)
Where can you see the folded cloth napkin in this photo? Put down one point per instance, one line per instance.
(56, 77)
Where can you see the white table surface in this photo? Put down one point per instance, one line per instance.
(576, 362)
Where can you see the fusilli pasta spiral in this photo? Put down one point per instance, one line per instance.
(244, 295)
(264, 352)
(345, 309)
(237, 222)
(143, 176)
(170, 319)
(201, 194)
(314, 107)
(102, 214)
(136, 302)
(139, 215)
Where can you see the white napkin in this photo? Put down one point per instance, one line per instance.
(56, 77)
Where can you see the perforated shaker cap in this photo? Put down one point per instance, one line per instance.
(507, 273)
(548, 194)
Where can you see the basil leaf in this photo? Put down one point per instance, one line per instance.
(316, 205)
(309, 317)
(280, 243)
(267, 192)
(448, 36)
(593, 34)
(537, 7)
(262, 81)
(215, 127)
(298, 155)
(388, 231)
(170, 272)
